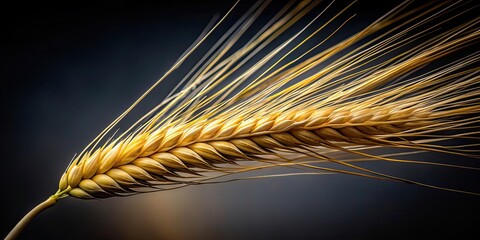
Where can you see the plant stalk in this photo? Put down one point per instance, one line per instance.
(30, 215)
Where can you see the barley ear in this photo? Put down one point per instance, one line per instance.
(333, 105)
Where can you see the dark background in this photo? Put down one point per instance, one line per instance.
(68, 71)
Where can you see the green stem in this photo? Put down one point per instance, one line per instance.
(30, 215)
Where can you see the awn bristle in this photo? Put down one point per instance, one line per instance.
(244, 109)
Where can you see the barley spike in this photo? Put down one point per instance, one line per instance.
(244, 108)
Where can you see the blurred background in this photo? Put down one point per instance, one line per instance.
(67, 72)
